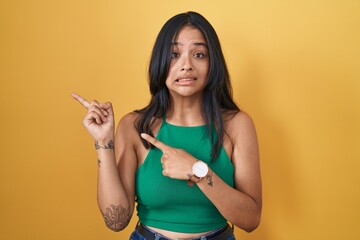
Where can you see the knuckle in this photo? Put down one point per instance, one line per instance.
(93, 107)
(94, 103)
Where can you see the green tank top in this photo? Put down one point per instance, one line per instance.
(171, 204)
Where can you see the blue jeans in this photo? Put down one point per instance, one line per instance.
(137, 236)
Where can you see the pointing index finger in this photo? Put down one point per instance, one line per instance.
(81, 100)
(154, 141)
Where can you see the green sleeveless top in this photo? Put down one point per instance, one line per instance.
(171, 204)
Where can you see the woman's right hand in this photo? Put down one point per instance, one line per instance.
(99, 120)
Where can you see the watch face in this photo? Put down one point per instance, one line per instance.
(200, 169)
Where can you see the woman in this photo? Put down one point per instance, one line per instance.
(202, 169)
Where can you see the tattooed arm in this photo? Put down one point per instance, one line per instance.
(116, 217)
(116, 192)
(117, 165)
(112, 199)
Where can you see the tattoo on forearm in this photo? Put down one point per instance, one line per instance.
(209, 179)
(110, 145)
(116, 217)
(99, 162)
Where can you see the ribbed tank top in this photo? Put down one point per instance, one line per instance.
(171, 204)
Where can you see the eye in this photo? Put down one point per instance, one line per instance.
(175, 55)
(199, 55)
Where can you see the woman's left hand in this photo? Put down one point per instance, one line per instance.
(176, 162)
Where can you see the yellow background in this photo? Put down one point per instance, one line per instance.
(295, 67)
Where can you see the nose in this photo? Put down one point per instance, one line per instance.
(186, 68)
(186, 64)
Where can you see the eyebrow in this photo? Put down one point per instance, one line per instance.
(195, 43)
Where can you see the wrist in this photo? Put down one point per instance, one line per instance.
(199, 171)
(104, 144)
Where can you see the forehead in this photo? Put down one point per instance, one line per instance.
(189, 35)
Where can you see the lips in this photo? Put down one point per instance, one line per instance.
(185, 79)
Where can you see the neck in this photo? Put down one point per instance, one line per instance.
(185, 112)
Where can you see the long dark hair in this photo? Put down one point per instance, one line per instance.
(217, 95)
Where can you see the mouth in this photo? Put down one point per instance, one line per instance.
(185, 80)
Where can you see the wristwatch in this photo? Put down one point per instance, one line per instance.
(199, 171)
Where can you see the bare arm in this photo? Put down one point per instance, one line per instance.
(112, 199)
(114, 203)
(243, 205)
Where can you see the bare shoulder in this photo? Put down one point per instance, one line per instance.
(239, 124)
(128, 120)
(128, 123)
(126, 129)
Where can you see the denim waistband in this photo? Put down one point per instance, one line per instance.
(219, 234)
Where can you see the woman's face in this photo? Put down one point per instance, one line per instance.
(189, 67)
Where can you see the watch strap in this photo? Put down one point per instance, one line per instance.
(193, 179)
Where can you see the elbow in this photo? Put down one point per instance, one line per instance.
(250, 223)
(117, 227)
(116, 217)
(119, 224)
(114, 229)
(251, 227)
(253, 224)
